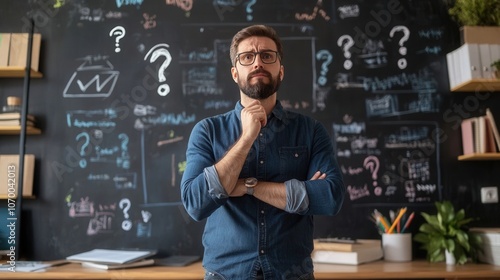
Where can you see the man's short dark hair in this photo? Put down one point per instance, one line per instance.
(251, 31)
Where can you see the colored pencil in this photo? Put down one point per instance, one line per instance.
(407, 224)
(401, 212)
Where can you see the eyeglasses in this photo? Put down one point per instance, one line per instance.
(248, 58)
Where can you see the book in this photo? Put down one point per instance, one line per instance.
(107, 256)
(494, 128)
(352, 258)
(467, 136)
(484, 136)
(107, 266)
(15, 122)
(15, 116)
(358, 244)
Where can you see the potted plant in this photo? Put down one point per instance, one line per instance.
(479, 20)
(446, 231)
(495, 67)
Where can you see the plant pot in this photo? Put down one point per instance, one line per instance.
(450, 258)
(480, 35)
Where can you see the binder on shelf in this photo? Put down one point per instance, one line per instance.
(485, 57)
(494, 53)
(470, 62)
(451, 69)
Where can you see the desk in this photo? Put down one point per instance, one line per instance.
(375, 270)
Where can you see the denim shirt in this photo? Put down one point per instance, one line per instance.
(243, 234)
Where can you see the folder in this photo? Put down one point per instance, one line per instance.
(485, 57)
(451, 69)
(470, 62)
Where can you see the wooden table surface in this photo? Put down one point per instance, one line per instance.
(375, 270)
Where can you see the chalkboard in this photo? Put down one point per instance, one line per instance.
(125, 82)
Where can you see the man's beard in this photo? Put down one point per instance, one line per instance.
(259, 90)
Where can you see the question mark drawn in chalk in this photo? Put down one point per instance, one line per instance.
(347, 54)
(402, 63)
(372, 164)
(124, 161)
(249, 9)
(324, 54)
(156, 52)
(125, 205)
(83, 162)
(119, 31)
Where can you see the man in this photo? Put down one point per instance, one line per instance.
(259, 173)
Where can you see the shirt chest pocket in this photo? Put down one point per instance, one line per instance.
(294, 162)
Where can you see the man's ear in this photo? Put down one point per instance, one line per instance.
(234, 74)
(282, 72)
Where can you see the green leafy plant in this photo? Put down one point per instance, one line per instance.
(496, 64)
(447, 231)
(475, 12)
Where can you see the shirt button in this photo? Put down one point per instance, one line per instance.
(261, 134)
(262, 211)
(261, 162)
(296, 155)
(262, 251)
(261, 224)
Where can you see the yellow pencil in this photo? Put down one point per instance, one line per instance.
(396, 221)
(383, 221)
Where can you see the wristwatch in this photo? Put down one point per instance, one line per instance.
(250, 183)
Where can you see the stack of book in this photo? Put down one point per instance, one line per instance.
(480, 134)
(354, 252)
(113, 259)
(14, 119)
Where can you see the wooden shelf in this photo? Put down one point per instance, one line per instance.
(4, 196)
(17, 72)
(479, 85)
(16, 129)
(485, 156)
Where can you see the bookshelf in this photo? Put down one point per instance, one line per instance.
(16, 130)
(478, 156)
(17, 72)
(478, 85)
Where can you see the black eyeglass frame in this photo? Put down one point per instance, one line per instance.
(255, 57)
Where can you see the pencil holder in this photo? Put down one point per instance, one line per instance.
(397, 247)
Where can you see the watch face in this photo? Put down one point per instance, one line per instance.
(251, 182)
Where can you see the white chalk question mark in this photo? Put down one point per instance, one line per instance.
(402, 63)
(249, 9)
(156, 52)
(124, 159)
(372, 163)
(346, 47)
(83, 162)
(324, 54)
(125, 205)
(119, 32)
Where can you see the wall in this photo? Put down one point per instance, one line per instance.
(125, 81)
